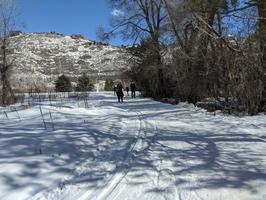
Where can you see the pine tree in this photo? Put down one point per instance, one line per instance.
(63, 84)
(109, 84)
(84, 83)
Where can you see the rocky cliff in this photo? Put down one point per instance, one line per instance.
(39, 58)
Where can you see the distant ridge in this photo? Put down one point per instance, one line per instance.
(39, 58)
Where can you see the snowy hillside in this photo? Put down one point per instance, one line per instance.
(140, 149)
(41, 57)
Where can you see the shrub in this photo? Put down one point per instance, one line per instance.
(84, 83)
(109, 84)
(63, 84)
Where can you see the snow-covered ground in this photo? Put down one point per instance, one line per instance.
(140, 149)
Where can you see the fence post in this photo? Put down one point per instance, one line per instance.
(43, 118)
(51, 119)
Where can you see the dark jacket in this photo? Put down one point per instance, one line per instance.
(132, 87)
(119, 89)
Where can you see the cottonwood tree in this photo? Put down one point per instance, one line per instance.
(140, 20)
(205, 60)
(7, 25)
(255, 83)
(261, 6)
(218, 66)
(206, 20)
(192, 37)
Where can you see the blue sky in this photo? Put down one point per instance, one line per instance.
(65, 16)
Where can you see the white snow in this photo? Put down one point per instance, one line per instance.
(140, 149)
(41, 57)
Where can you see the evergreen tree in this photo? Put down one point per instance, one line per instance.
(63, 84)
(84, 83)
(109, 84)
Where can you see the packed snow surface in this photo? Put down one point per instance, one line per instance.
(139, 149)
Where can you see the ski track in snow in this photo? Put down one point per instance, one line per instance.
(116, 179)
(136, 148)
(140, 149)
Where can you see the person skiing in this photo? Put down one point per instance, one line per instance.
(133, 89)
(119, 92)
(127, 89)
(114, 88)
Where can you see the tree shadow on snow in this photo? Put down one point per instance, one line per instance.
(88, 149)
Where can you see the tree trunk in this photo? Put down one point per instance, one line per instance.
(261, 4)
(198, 87)
(8, 96)
(7, 93)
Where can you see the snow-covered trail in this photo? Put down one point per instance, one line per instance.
(140, 149)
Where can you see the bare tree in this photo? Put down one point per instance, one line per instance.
(138, 18)
(7, 25)
(261, 6)
(146, 20)
(206, 60)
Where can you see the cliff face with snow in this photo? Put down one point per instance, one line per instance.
(38, 59)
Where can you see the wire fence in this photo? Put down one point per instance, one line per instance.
(55, 99)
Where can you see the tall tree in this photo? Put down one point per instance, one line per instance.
(138, 18)
(261, 6)
(145, 19)
(7, 25)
